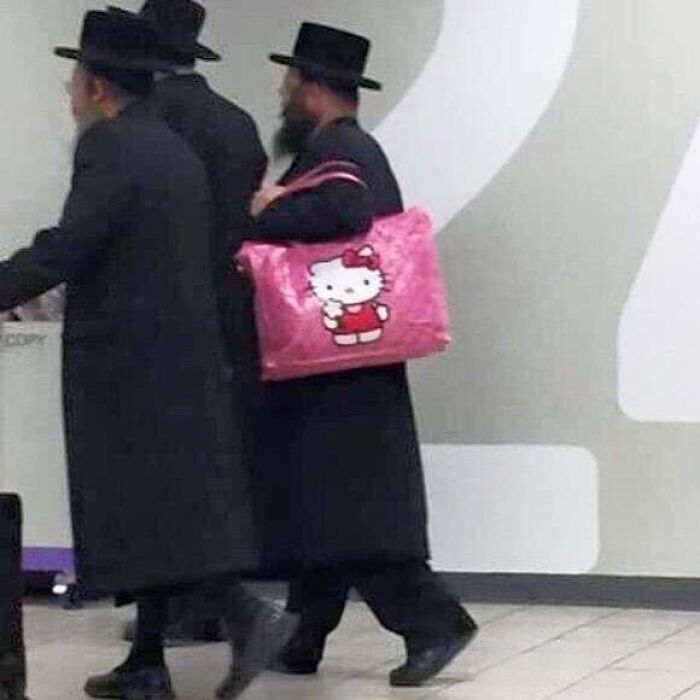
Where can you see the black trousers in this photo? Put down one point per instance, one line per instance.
(222, 597)
(407, 598)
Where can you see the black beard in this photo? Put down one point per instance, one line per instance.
(294, 133)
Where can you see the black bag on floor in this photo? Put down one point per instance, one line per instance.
(13, 670)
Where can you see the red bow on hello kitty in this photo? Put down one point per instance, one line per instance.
(354, 258)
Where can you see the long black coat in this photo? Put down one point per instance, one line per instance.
(227, 142)
(150, 434)
(337, 455)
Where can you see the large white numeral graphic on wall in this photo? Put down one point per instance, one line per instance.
(496, 66)
(659, 339)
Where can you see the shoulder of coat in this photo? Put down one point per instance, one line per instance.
(344, 141)
(105, 135)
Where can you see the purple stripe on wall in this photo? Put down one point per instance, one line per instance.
(48, 559)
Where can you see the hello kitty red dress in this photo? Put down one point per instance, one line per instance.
(363, 318)
(376, 299)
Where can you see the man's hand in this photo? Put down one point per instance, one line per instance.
(33, 311)
(265, 196)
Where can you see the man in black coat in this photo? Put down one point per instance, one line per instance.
(158, 500)
(337, 455)
(226, 140)
(227, 143)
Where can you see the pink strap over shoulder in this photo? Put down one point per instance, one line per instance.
(331, 171)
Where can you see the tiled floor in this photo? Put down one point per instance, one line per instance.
(533, 653)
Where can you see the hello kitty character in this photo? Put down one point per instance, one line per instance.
(349, 287)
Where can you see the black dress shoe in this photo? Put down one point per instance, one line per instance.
(420, 667)
(302, 656)
(291, 666)
(268, 634)
(120, 684)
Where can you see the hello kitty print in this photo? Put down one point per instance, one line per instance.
(373, 301)
(349, 288)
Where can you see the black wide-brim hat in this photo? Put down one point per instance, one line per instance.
(178, 24)
(116, 40)
(331, 53)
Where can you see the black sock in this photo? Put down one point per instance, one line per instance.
(147, 648)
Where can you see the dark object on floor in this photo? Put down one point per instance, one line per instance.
(13, 668)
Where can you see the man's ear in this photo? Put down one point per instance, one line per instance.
(99, 89)
(311, 95)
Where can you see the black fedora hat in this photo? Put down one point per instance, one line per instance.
(178, 24)
(117, 40)
(331, 53)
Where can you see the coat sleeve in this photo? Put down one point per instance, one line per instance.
(240, 171)
(334, 210)
(94, 212)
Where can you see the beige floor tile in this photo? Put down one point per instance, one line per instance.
(662, 622)
(567, 655)
(365, 651)
(477, 659)
(377, 688)
(358, 616)
(59, 670)
(503, 691)
(45, 624)
(683, 658)
(568, 617)
(267, 687)
(531, 673)
(690, 635)
(372, 686)
(520, 637)
(630, 685)
(521, 654)
(484, 613)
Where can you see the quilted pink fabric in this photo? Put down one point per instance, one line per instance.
(373, 300)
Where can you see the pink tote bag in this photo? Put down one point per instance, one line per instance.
(371, 300)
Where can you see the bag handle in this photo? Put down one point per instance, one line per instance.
(331, 171)
(330, 165)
